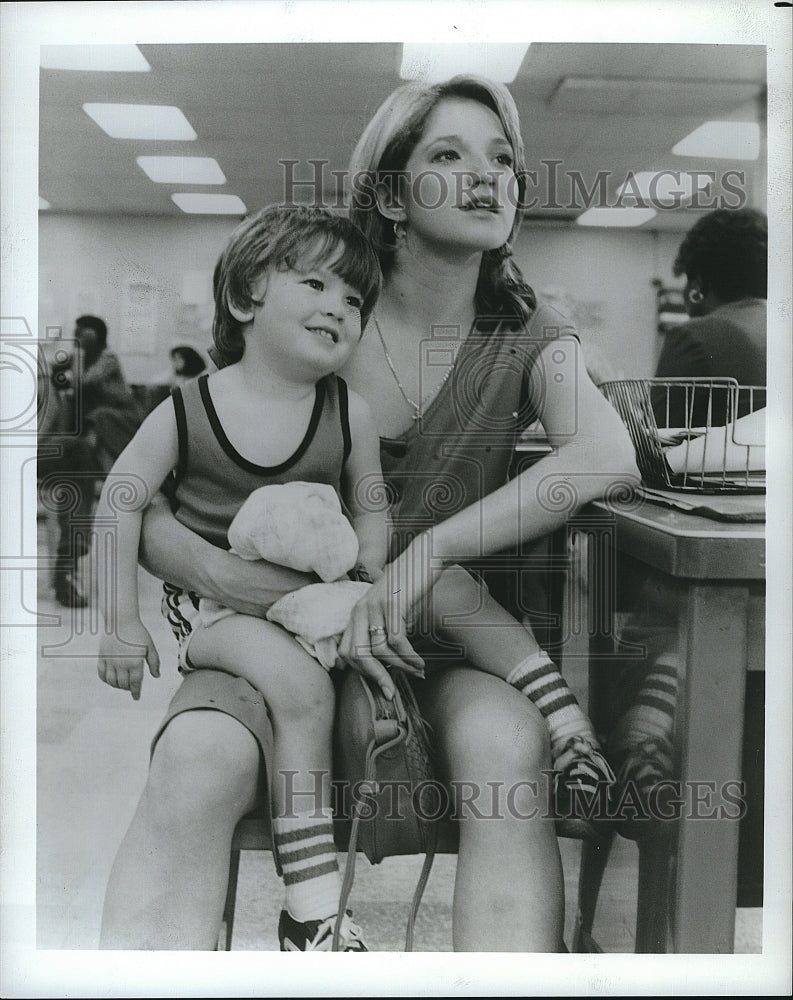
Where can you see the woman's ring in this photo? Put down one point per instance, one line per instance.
(377, 630)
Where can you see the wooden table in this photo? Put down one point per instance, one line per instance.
(719, 569)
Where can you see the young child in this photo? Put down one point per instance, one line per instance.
(293, 290)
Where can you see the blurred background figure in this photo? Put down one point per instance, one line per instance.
(66, 480)
(106, 413)
(87, 416)
(187, 363)
(724, 258)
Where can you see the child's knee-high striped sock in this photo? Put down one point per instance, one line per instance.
(538, 678)
(307, 855)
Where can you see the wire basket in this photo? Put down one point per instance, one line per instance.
(698, 435)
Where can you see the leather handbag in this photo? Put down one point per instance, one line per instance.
(383, 766)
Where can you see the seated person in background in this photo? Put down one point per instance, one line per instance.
(725, 260)
(187, 363)
(88, 416)
(106, 410)
(64, 469)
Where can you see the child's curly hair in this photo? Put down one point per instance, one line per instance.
(282, 236)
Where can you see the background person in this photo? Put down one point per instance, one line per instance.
(724, 257)
(66, 480)
(187, 363)
(106, 412)
(725, 260)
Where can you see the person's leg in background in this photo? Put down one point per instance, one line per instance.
(641, 742)
(67, 484)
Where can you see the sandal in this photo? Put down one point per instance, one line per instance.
(582, 783)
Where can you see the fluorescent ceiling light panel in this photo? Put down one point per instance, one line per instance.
(209, 204)
(43, 204)
(94, 58)
(616, 217)
(718, 140)
(141, 121)
(182, 169)
(662, 187)
(435, 63)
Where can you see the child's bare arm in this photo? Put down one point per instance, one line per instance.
(132, 482)
(364, 491)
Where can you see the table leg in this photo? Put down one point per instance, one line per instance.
(703, 889)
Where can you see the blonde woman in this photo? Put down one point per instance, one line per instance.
(436, 184)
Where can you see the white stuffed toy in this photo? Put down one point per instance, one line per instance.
(317, 615)
(302, 526)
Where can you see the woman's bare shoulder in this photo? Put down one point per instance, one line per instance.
(547, 323)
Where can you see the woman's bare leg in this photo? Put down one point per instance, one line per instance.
(168, 883)
(509, 889)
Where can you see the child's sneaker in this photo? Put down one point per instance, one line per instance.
(581, 787)
(317, 935)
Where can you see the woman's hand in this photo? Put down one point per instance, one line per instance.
(376, 637)
(121, 656)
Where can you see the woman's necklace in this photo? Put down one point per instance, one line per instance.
(416, 407)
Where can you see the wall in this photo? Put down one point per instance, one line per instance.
(150, 279)
(605, 276)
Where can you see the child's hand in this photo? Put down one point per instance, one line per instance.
(121, 657)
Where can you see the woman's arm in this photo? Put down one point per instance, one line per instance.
(365, 495)
(593, 454)
(172, 552)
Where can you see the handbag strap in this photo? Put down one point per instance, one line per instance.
(426, 868)
(387, 733)
(372, 753)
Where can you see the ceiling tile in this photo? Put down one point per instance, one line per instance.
(256, 106)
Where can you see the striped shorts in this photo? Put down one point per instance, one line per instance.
(181, 609)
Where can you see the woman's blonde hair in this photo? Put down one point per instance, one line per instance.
(381, 155)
